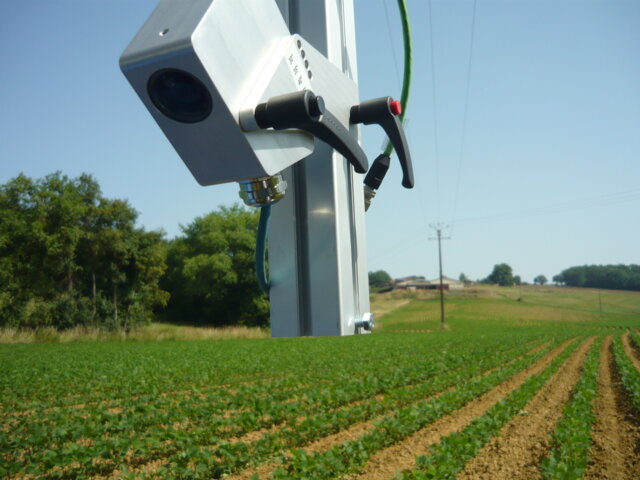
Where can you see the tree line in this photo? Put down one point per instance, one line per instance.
(69, 256)
(613, 277)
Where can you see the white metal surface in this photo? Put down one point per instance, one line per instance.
(317, 245)
(243, 53)
(236, 48)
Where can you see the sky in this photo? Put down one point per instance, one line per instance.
(523, 122)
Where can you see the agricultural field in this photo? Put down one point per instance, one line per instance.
(524, 383)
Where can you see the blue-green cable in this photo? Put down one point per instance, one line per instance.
(261, 248)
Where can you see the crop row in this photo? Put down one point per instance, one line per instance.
(142, 430)
(225, 396)
(571, 441)
(229, 457)
(36, 377)
(52, 375)
(317, 426)
(635, 338)
(144, 388)
(628, 372)
(447, 458)
(351, 456)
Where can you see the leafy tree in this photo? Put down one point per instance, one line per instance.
(502, 275)
(517, 280)
(379, 278)
(211, 271)
(58, 261)
(558, 279)
(463, 278)
(616, 277)
(540, 280)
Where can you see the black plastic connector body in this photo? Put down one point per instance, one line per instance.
(378, 170)
(306, 111)
(380, 111)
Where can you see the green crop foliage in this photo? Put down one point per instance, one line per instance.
(571, 441)
(85, 409)
(635, 338)
(628, 372)
(351, 456)
(211, 408)
(449, 456)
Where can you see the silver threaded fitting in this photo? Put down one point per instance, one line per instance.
(369, 193)
(261, 191)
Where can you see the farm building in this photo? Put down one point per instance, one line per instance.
(420, 283)
(448, 283)
(413, 283)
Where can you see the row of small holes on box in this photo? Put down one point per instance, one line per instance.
(303, 54)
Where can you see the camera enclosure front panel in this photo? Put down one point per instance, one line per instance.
(195, 65)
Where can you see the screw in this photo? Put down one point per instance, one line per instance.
(316, 105)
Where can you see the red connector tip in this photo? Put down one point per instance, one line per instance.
(396, 107)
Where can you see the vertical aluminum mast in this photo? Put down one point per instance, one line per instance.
(317, 245)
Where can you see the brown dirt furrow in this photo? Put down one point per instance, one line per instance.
(359, 429)
(352, 433)
(261, 471)
(615, 454)
(386, 463)
(522, 442)
(631, 351)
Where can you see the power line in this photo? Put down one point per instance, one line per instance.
(590, 202)
(435, 111)
(465, 112)
(552, 209)
(393, 50)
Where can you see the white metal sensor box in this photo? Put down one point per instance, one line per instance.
(197, 64)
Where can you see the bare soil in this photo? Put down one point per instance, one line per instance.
(615, 454)
(386, 463)
(352, 433)
(523, 441)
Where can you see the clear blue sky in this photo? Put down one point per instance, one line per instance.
(545, 177)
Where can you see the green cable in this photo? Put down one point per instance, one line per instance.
(406, 80)
(261, 249)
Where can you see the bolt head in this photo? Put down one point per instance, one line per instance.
(316, 105)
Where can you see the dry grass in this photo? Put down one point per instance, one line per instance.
(383, 303)
(525, 305)
(153, 332)
(161, 331)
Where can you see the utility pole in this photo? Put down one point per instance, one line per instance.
(438, 228)
(600, 302)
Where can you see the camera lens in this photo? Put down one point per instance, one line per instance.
(179, 95)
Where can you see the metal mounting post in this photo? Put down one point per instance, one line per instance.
(317, 245)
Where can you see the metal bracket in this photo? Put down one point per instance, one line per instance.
(367, 323)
